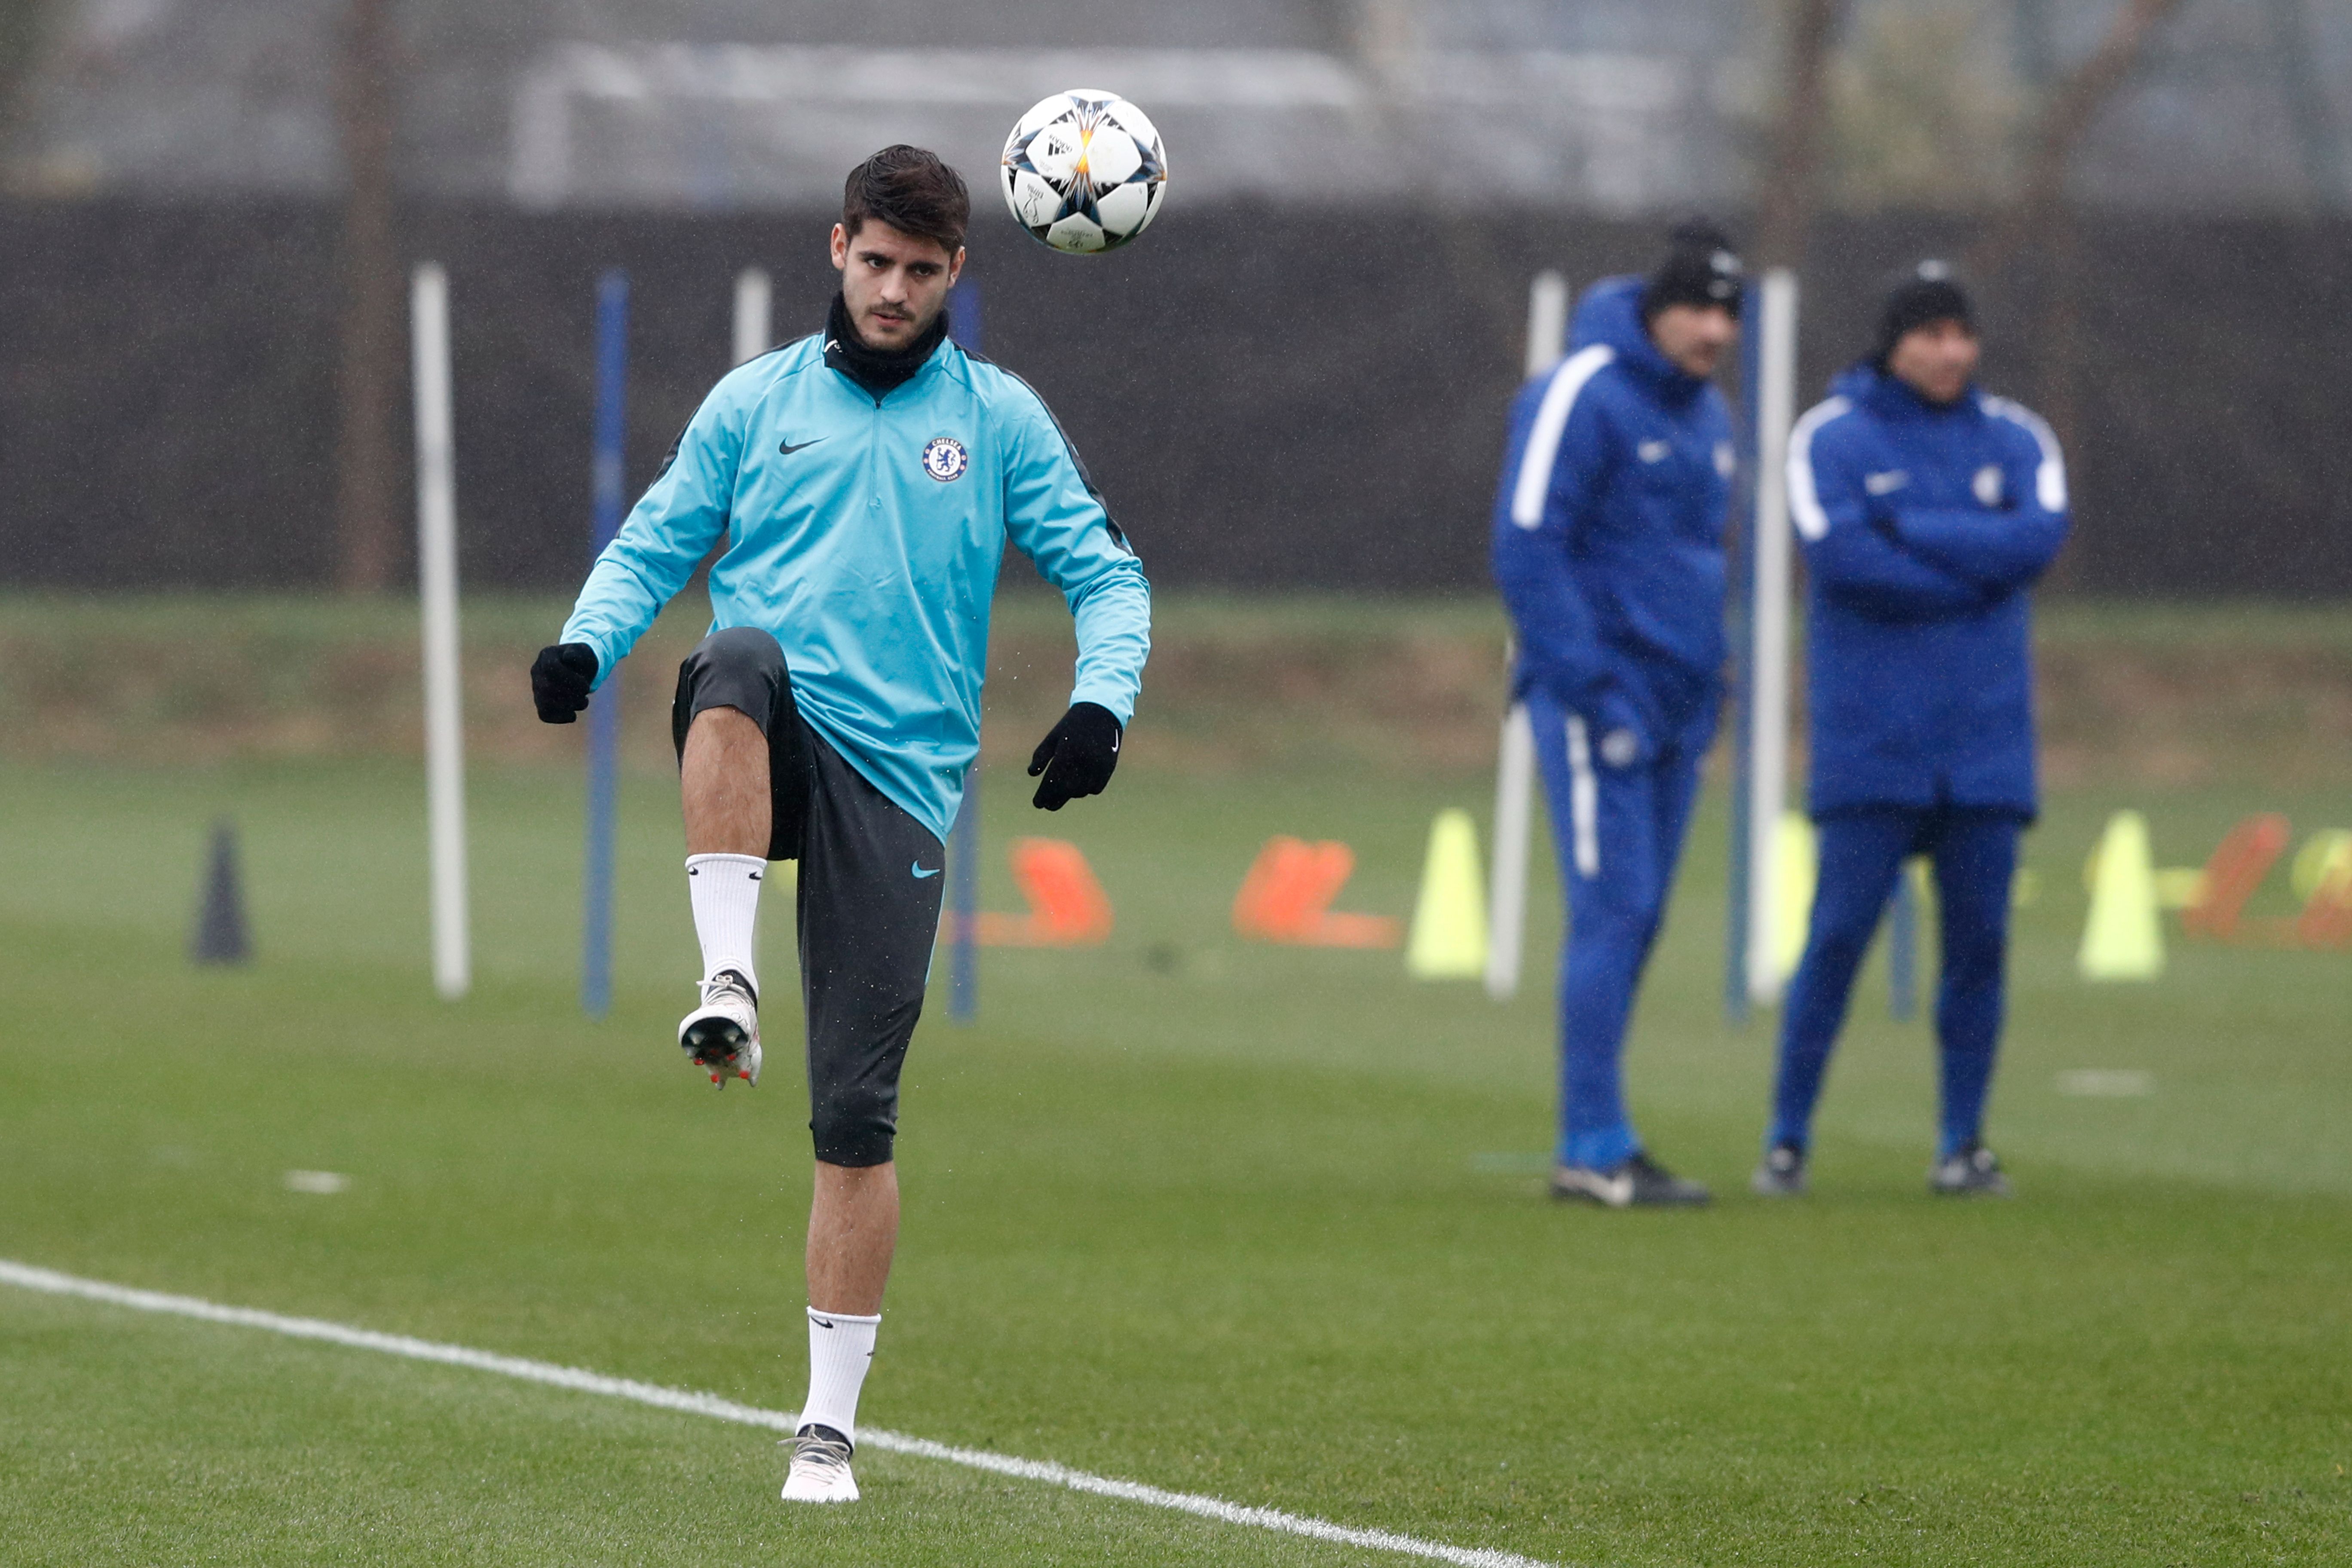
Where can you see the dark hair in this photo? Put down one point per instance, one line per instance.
(912, 190)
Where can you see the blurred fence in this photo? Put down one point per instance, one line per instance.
(1267, 398)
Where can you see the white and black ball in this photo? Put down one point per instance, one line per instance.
(1084, 171)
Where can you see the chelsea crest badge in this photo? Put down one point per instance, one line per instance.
(944, 458)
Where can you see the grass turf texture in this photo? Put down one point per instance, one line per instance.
(1240, 1220)
(2234, 693)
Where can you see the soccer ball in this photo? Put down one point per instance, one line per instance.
(1084, 172)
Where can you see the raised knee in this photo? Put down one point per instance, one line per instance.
(745, 649)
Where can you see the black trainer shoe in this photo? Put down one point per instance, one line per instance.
(1636, 1182)
(1782, 1174)
(1970, 1172)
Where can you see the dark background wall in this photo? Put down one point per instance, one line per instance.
(1267, 397)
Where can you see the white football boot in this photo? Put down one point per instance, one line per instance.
(723, 1036)
(819, 1470)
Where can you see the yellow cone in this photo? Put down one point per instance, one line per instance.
(1449, 921)
(1796, 862)
(2326, 856)
(2124, 939)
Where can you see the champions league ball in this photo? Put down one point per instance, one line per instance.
(1084, 171)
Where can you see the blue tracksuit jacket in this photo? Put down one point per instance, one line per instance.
(1922, 528)
(864, 534)
(1608, 549)
(1607, 540)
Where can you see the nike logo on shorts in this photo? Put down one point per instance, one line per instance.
(920, 873)
(787, 449)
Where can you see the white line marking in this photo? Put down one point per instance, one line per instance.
(50, 1282)
(2106, 1083)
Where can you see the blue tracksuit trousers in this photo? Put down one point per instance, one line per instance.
(1619, 824)
(1862, 854)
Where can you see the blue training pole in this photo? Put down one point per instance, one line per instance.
(605, 710)
(1737, 611)
(963, 859)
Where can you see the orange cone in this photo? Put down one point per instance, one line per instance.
(2239, 862)
(1286, 898)
(1067, 907)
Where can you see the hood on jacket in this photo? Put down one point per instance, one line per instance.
(1866, 385)
(1611, 314)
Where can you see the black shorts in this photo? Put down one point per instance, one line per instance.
(868, 905)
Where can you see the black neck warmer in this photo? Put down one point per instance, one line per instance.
(878, 371)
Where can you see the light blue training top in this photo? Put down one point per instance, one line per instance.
(866, 536)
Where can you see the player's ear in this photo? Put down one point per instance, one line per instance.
(840, 248)
(955, 266)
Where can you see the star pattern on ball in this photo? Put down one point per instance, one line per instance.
(1084, 171)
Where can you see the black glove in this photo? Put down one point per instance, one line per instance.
(1076, 756)
(560, 679)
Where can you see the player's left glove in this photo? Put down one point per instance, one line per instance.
(1076, 757)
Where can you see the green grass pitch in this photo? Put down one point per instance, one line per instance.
(1229, 1219)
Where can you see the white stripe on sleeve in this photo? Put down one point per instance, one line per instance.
(1542, 452)
(2050, 475)
(1583, 801)
(1804, 499)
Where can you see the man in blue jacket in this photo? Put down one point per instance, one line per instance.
(1607, 547)
(1926, 509)
(863, 482)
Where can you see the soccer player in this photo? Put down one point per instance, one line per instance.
(1925, 508)
(865, 481)
(1608, 546)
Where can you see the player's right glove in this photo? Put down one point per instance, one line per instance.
(560, 679)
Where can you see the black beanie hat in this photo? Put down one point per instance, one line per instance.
(1701, 269)
(1927, 293)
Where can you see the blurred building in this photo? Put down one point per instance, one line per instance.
(1617, 106)
(1297, 379)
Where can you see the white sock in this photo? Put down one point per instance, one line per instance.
(725, 892)
(841, 1348)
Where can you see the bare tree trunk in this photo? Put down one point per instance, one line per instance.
(367, 467)
(2073, 108)
(1786, 212)
(21, 25)
(2040, 229)
(2059, 383)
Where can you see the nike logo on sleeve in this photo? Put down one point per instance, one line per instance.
(920, 873)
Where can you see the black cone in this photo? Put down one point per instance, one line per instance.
(220, 935)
